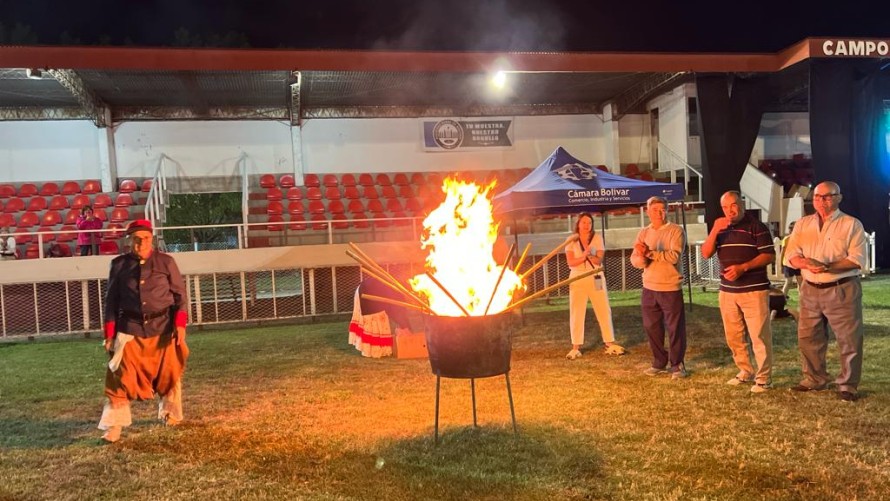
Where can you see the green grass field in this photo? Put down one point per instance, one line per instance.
(294, 412)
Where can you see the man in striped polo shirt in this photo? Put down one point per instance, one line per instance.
(744, 247)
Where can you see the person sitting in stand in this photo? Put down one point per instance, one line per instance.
(7, 245)
(370, 330)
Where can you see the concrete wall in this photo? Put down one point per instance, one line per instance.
(48, 150)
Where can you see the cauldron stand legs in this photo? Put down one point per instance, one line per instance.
(473, 394)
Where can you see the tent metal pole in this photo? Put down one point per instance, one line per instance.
(688, 257)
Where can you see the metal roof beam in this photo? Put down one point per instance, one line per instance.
(135, 113)
(41, 113)
(91, 103)
(653, 84)
(446, 111)
(294, 107)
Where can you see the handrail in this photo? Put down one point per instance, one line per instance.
(676, 159)
(156, 203)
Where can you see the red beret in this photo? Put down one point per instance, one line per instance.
(138, 225)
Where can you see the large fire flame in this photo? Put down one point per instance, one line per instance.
(460, 235)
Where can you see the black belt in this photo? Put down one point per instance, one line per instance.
(144, 317)
(826, 285)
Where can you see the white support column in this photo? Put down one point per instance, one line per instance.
(610, 138)
(107, 155)
(296, 137)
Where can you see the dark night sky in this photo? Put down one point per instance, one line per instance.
(533, 25)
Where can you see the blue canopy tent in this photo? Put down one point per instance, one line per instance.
(562, 184)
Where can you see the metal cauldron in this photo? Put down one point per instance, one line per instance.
(469, 347)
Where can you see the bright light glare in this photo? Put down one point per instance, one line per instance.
(499, 79)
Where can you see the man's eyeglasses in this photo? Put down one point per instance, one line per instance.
(827, 196)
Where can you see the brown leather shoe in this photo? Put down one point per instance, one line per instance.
(803, 387)
(847, 396)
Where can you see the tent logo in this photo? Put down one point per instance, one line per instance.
(575, 172)
(448, 134)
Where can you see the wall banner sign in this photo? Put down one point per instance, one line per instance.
(464, 134)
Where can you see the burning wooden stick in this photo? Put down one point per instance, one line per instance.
(540, 263)
(548, 289)
(435, 281)
(392, 301)
(384, 277)
(496, 284)
(522, 258)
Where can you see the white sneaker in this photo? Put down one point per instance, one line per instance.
(572, 355)
(654, 371)
(735, 381)
(761, 388)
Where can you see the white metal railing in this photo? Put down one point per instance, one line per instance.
(673, 162)
(245, 200)
(155, 207)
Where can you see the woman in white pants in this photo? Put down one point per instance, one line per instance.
(583, 254)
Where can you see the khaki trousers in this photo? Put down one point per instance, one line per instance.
(748, 311)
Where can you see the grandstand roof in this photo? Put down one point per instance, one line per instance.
(126, 83)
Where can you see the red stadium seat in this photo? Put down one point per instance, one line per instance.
(102, 200)
(388, 192)
(356, 206)
(330, 181)
(7, 191)
(311, 180)
(646, 176)
(414, 206)
(393, 205)
(434, 180)
(339, 221)
(287, 181)
(69, 233)
(14, 204)
(406, 191)
(127, 186)
(7, 220)
(47, 234)
(417, 179)
(120, 214)
(124, 200)
(36, 204)
(267, 181)
(365, 179)
(400, 179)
(49, 189)
(369, 192)
(351, 192)
(298, 222)
(316, 207)
(332, 193)
(275, 218)
(375, 205)
(274, 194)
(348, 180)
(382, 179)
(32, 251)
(320, 222)
(100, 214)
(602, 168)
(631, 169)
(91, 187)
(296, 207)
(27, 190)
(360, 220)
(336, 207)
(70, 188)
(50, 218)
(58, 202)
(313, 193)
(114, 231)
(381, 220)
(108, 248)
(146, 185)
(275, 208)
(28, 220)
(71, 216)
(80, 201)
(295, 193)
